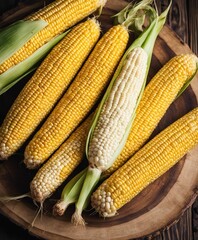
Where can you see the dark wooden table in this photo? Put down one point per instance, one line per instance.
(183, 19)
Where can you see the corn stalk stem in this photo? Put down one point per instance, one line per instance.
(70, 193)
(91, 180)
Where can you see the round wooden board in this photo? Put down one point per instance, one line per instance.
(155, 208)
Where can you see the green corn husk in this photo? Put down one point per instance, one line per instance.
(135, 19)
(127, 17)
(19, 71)
(8, 86)
(13, 37)
(69, 194)
(187, 83)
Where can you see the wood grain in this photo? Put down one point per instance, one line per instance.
(151, 213)
(183, 19)
(193, 24)
(177, 18)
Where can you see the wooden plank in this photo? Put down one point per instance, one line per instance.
(183, 19)
(177, 17)
(21, 10)
(193, 25)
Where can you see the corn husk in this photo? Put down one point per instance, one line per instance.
(13, 37)
(13, 75)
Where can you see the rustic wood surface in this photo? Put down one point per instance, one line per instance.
(182, 19)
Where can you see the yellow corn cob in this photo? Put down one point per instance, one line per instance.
(157, 97)
(60, 15)
(80, 97)
(52, 174)
(149, 163)
(46, 86)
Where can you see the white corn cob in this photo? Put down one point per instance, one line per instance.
(117, 111)
(113, 122)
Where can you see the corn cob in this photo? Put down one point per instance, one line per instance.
(46, 86)
(117, 111)
(165, 84)
(148, 164)
(79, 98)
(111, 129)
(53, 173)
(60, 15)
